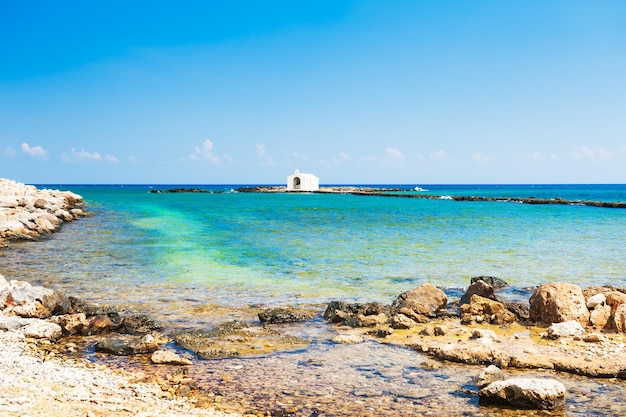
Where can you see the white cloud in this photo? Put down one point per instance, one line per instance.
(341, 158)
(83, 155)
(262, 153)
(586, 152)
(10, 152)
(36, 151)
(205, 152)
(394, 155)
(538, 156)
(482, 157)
(440, 154)
(299, 156)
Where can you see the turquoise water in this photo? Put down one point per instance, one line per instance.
(194, 260)
(249, 248)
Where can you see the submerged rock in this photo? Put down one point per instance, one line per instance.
(543, 394)
(169, 358)
(139, 324)
(128, 346)
(285, 315)
(237, 339)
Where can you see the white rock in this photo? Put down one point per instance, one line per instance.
(168, 357)
(566, 329)
(598, 299)
(41, 329)
(545, 394)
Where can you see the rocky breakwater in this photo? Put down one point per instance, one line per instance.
(562, 328)
(27, 212)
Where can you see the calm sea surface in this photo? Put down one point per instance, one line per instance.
(175, 254)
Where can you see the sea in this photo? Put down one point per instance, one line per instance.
(195, 260)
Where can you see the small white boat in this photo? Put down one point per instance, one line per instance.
(419, 189)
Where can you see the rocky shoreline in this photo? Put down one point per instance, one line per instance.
(562, 328)
(402, 193)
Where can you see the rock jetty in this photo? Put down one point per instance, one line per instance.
(27, 212)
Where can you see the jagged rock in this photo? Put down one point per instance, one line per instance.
(355, 314)
(401, 321)
(478, 287)
(564, 329)
(494, 282)
(132, 345)
(558, 302)
(619, 319)
(521, 311)
(426, 300)
(71, 323)
(488, 375)
(100, 324)
(25, 300)
(544, 394)
(285, 315)
(168, 357)
(139, 324)
(615, 299)
(484, 310)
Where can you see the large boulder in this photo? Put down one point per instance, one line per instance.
(543, 394)
(425, 300)
(557, 302)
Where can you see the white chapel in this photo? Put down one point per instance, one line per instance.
(302, 182)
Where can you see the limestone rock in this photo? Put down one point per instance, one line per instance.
(425, 299)
(545, 394)
(484, 310)
(41, 329)
(558, 302)
(619, 319)
(614, 299)
(600, 316)
(478, 287)
(348, 339)
(168, 357)
(71, 323)
(565, 329)
(596, 300)
(488, 375)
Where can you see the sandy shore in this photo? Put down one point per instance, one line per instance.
(34, 385)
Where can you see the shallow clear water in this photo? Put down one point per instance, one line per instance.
(198, 259)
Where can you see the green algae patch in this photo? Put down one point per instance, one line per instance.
(237, 339)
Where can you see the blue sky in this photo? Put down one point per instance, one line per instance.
(241, 92)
